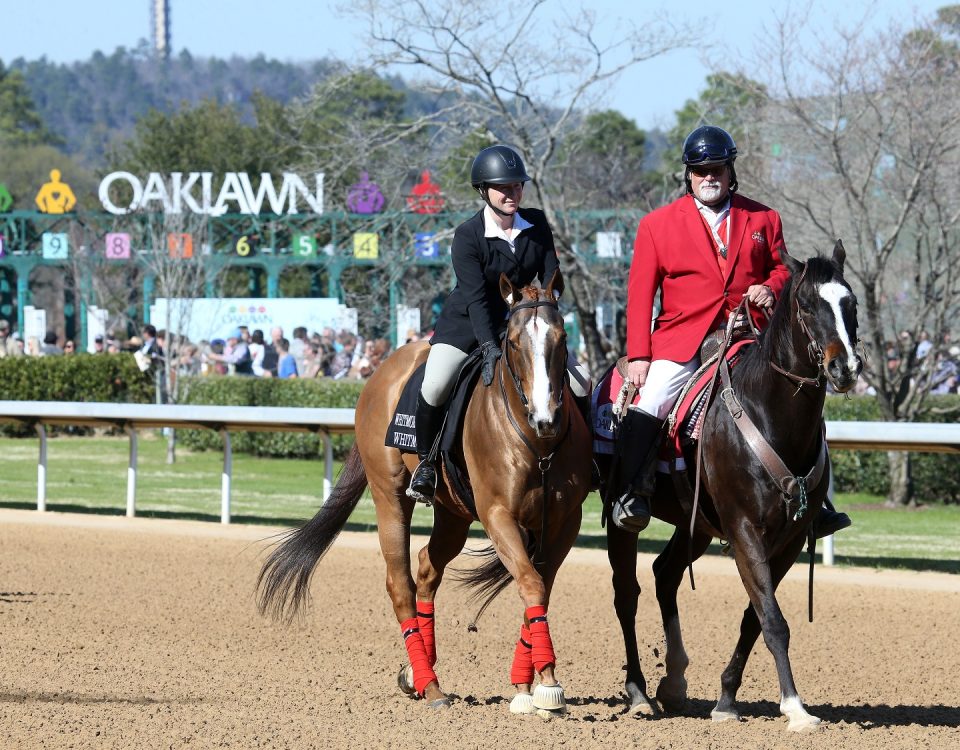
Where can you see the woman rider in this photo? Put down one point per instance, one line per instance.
(500, 238)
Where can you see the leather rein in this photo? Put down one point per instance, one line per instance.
(543, 462)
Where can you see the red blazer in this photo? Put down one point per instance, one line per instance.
(674, 251)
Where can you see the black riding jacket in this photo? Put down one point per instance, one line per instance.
(475, 312)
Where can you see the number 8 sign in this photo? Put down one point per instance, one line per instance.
(117, 246)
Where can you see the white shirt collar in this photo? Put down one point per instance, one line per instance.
(492, 229)
(713, 215)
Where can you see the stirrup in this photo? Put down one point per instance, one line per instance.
(423, 483)
(631, 512)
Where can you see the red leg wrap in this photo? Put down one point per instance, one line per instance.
(521, 673)
(542, 646)
(423, 673)
(425, 621)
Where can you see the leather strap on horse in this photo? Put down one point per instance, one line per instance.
(543, 462)
(792, 488)
(742, 309)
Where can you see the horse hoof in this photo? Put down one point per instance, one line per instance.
(405, 680)
(522, 703)
(806, 723)
(549, 697)
(439, 703)
(719, 716)
(672, 701)
(641, 706)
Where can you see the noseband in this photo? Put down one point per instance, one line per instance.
(506, 349)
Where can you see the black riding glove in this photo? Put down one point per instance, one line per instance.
(490, 353)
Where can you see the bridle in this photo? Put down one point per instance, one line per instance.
(506, 349)
(543, 462)
(814, 350)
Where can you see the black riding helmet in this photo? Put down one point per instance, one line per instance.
(708, 145)
(497, 165)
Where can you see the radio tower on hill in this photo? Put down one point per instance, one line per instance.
(160, 28)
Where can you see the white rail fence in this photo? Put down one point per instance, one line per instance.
(902, 436)
(133, 417)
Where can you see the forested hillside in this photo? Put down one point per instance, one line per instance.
(90, 104)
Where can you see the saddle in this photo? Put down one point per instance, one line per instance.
(402, 434)
(615, 393)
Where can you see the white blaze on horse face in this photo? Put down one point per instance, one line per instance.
(833, 293)
(540, 392)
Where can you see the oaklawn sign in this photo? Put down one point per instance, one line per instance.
(178, 192)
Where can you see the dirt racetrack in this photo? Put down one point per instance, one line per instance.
(130, 633)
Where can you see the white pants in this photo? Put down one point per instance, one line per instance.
(444, 362)
(665, 380)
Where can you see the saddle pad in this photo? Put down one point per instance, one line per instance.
(402, 431)
(686, 418)
(608, 391)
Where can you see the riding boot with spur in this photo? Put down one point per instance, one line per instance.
(637, 446)
(583, 406)
(829, 520)
(423, 483)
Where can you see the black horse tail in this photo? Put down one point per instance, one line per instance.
(487, 579)
(284, 582)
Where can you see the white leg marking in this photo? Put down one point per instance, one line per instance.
(800, 720)
(833, 293)
(540, 393)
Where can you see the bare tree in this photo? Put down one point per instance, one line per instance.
(860, 140)
(523, 80)
(171, 248)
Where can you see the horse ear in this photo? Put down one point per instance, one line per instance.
(839, 255)
(792, 264)
(510, 293)
(555, 285)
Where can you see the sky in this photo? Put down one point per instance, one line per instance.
(298, 30)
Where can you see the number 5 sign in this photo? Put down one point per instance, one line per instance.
(117, 246)
(304, 246)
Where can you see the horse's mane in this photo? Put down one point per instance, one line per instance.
(776, 340)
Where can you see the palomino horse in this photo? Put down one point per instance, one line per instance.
(525, 448)
(779, 384)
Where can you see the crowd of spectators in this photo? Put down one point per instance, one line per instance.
(241, 352)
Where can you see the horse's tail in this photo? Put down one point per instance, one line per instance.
(284, 582)
(488, 578)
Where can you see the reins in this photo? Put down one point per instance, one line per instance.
(543, 462)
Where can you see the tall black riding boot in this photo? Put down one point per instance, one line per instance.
(637, 446)
(829, 520)
(423, 483)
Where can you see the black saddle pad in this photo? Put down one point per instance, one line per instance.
(402, 432)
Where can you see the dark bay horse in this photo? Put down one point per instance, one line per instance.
(526, 450)
(780, 384)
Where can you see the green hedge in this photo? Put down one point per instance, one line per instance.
(936, 476)
(112, 378)
(246, 391)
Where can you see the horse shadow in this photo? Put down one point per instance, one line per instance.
(865, 717)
